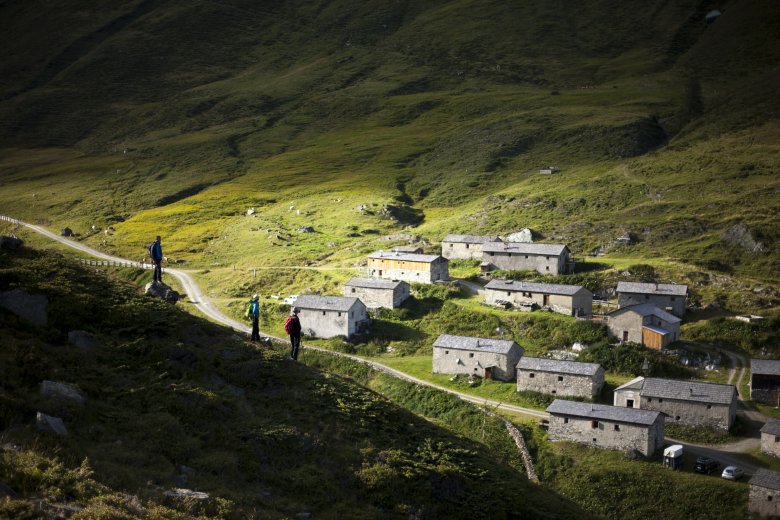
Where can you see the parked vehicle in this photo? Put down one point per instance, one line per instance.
(732, 473)
(673, 457)
(706, 465)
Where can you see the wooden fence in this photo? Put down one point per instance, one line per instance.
(114, 263)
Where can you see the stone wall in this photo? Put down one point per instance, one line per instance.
(770, 444)
(560, 384)
(453, 361)
(374, 298)
(461, 251)
(522, 262)
(607, 434)
(690, 413)
(675, 304)
(763, 501)
(329, 324)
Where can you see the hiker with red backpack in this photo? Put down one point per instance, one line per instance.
(292, 326)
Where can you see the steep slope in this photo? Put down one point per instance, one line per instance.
(171, 401)
(173, 117)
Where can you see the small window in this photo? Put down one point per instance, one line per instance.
(490, 254)
(677, 418)
(546, 257)
(560, 378)
(777, 438)
(451, 245)
(617, 427)
(531, 375)
(594, 439)
(594, 424)
(547, 267)
(323, 313)
(709, 407)
(339, 315)
(509, 293)
(446, 352)
(565, 420)
(353, 289)
(554, 392)
(672, 298)
(649, 399)
(647, 296)
(660, 400)
(467, 246)
(769, 498)
(471, 354)
(526, 256)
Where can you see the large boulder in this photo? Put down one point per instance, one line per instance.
(10, 243)
(61, 392)
(81, 339)
(48, 423)
(523, 236)
(66, 232)
(160, 290)
(32, 308)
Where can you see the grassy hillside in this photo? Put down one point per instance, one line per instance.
(175, 402)
(369, 120)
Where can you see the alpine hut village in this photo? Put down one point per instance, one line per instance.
(390, 260)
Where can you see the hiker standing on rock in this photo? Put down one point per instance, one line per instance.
(292, 326)
(253, 313)
(156, 254)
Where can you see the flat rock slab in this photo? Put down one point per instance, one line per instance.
(186, 493)
(47, 423)
(61, 391)
(32, 308)
(81, 339)
(162, 291)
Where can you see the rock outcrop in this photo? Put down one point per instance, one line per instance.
(10, 243)
(81, 339)
(61, 392)
(48, 423)
(32, 308)
(162, 291)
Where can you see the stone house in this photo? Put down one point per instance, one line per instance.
(645, 324)
(692, 403)
(604, 426)
(571, 300)
(483, 357)
(770, 437)
(765, 381)
(567, 378)
(410, 267)
(667, 296)
(378, 292)
(464, 247)
(543, 258)
(764, 497)
(331, 316)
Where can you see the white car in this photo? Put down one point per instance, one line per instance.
(732, 473)
(290, 300)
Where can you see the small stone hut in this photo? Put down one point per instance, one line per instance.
(764, 497)
(605, 426)
(571, 300)
(410, 267)
(331, 316)
(765, 381)
(566, 378)
(483, 357)
(770, 437)
(378, 292)
(692, 403)
(543, 258)
(667, 296)
(465, 247)
(645, 324)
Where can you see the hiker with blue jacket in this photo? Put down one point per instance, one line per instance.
(155, 253)
(253, 313)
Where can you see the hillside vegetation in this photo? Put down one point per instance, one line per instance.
(369, 120)
(172, 401)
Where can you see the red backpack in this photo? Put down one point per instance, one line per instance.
(288, 324)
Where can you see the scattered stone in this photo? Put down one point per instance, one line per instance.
(330, 244)
(55, 390)
(306, 229)
(32, 308)
(524, 236)
(303, 515)
(160, 290)
(10, 446)
(66, 232)
(10, 243)
(739, 235)
(81, 339)
(250, 211)
(47, 423)
(95, 228)
(186, 493)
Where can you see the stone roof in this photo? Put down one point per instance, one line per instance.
(772, 427)
(470, 239)
(497, 346)
(524, 249)
(647, 309)
(325, 303)
(695, 391)
(407, 257)
(767, 367)
(666, 289)
(374, 283)
(603, 412)
(558, 366)
(534, 287)
(634, 384)
(766, 478)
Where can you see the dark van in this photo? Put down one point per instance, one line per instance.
(706, 465)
